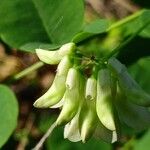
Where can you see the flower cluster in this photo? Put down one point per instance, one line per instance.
(93, 104)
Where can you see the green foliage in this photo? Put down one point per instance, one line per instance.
(48, 24)
(57, 141)
(136, 21)
(30, 47)
(44, 21)
(130, 25)
(141, 73)
(143, 143)
(8, 113)
(96, 27)
(39, 24)
(136, 117)
(64, 144)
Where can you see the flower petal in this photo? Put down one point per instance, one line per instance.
(71, 130)
(104, 106)
(55, 92)
(54, 57)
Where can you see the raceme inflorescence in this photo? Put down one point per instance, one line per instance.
(95, 96)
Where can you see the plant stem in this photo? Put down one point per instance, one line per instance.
(125, 20)
(28, 70)
(46, 135)
(120, 46)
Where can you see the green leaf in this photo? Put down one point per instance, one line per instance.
(143, 143)
(134, 116)
(141, 20)
(8, 113)
(141, 73)
(21, 24)
(81, 36)
(44, 21)
(95, 27)
(30, 47)
(145, 17)
(62, 19)
(129, 86)
(127, 24)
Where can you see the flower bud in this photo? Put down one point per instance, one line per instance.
(129, 86)
(54, 57)
(56, 91)
(104, 105)
(72, 97)
(90, 92)
(72, 79)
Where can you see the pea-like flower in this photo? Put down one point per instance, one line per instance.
(72, 97)
(93, 106)
(88, 120)
(54, 57)
(104, 105)
(71, 130)
(90, 92)
(56, 91)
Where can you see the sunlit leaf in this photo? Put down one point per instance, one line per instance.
(44, 21)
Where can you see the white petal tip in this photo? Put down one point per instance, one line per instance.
(114, 137)
(37, 104)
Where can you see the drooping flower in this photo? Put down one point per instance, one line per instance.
(88, 120)
(71, 129)
(96, 107)
(72, 97)
(90, 92)
(54, 57)
(104, 105)
(56, 91)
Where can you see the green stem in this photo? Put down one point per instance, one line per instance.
(46, 135)
(28, 70)
(120, 46)
(125, 20)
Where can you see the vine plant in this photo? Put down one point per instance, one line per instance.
(92, 88)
